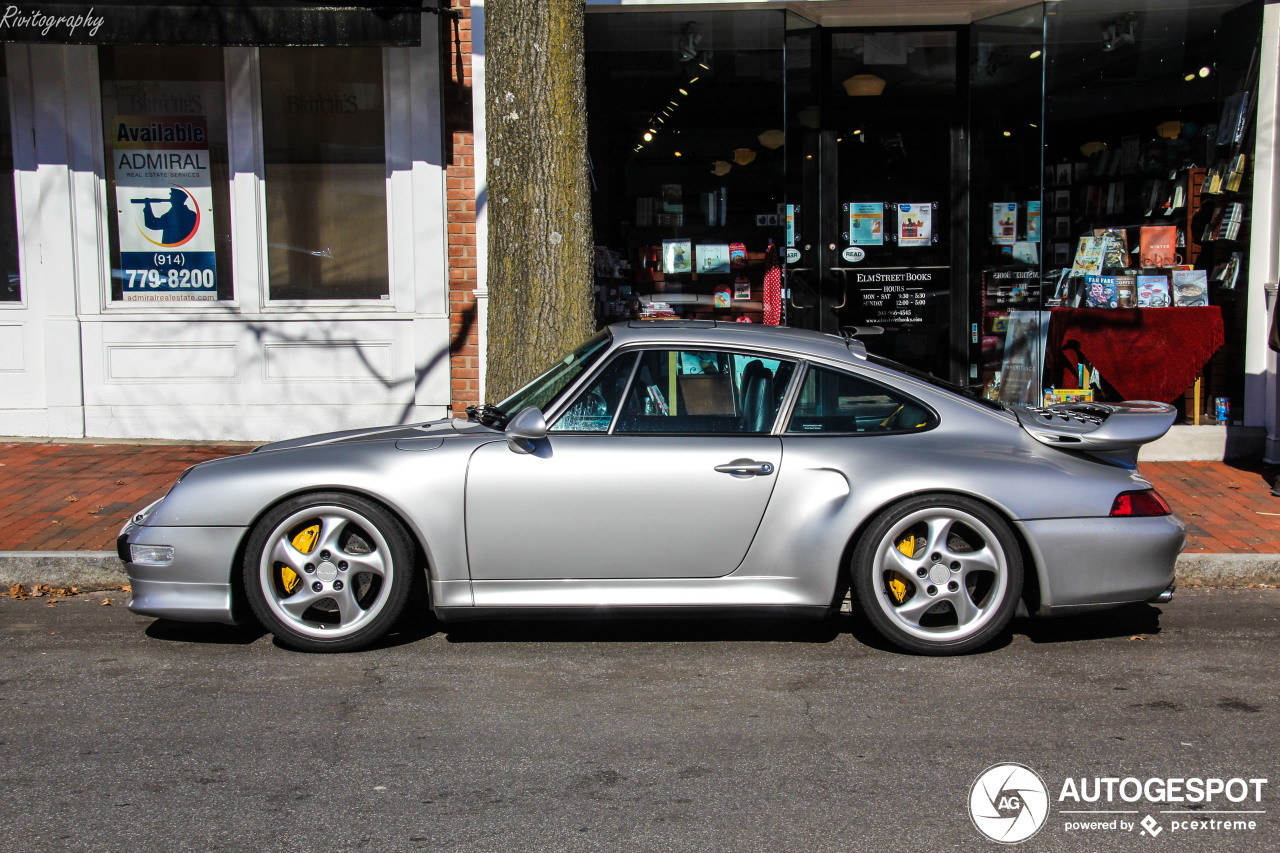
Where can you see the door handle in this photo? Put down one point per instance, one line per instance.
(746, 468)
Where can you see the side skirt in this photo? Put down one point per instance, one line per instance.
(587, 612)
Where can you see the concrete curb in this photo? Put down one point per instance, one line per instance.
(103, 569)
(87, 570)
(1230, 570)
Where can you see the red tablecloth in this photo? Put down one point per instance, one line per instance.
(1144, 353)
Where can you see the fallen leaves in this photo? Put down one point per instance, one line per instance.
(70, 499)
(1138, 637)
(106, 602)
(18, 592)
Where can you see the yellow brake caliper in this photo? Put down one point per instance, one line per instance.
(898, 589)
(305, 541)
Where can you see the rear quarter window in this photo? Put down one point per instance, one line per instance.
(835, 402)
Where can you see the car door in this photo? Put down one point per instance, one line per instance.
(661, 468)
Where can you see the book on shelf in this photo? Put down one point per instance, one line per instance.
(1157, 246)
(1090, 253)
(1225, 223)
(1190, 288)
(1116, 253)
(1235, 173)
(1153, 291)
(1227, 272)
(1101, 291)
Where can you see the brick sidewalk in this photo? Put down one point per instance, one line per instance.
(76, 497)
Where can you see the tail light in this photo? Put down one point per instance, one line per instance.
(1138, 504)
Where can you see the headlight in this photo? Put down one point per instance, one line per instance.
(150, 555)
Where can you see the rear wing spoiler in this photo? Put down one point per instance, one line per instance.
(1111, 431)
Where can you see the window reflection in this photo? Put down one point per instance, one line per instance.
(325, 156)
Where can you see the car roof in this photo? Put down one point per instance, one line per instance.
(802, 342)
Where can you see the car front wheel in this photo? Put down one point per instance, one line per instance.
(328, 572)
(938, 574)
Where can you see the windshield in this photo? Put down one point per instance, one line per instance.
(929, 378)
(541, 391)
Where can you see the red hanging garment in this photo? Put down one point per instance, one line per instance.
(772, 286)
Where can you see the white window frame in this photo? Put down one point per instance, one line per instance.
(415, 208)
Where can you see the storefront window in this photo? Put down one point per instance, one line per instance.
(1148, 182)
(165, 138)
(1006, 74)
(687, 151)
(11, 284)
(325, 155)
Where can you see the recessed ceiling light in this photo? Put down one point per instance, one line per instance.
(1204, 72)
(1035, 54)
(648, 137)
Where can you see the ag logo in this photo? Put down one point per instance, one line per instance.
(1008, 803)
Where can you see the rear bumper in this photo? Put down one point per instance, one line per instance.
(1099, 562)
(196, 586)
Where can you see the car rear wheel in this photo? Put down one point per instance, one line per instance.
(328, 572)
(938, 574)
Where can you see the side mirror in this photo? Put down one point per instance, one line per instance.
(525, 428)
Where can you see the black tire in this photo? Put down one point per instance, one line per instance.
(348, 590)
(972, 577)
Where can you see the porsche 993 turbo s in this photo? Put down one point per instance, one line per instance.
(680, 466)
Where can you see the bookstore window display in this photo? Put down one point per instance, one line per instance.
(1146, 195)
(686, 148)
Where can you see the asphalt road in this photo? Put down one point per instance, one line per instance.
(121, 733)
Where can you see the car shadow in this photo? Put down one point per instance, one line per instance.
(1136, 619)
(208, 633)
(647, 629)
(1131, 620)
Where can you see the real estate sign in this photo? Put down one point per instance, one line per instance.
(164, 208)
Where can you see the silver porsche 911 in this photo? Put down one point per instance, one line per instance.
(678, 466)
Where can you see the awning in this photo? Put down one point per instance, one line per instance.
(227, 23)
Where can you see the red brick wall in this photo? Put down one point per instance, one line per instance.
(464, 354)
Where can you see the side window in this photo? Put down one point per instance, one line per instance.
(833, 402)
(706, 392)
(594, 409)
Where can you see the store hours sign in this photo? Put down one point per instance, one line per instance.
(899, 296)
(164, 208)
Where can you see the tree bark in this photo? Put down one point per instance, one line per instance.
(540, 267)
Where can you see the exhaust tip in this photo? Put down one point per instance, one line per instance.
(1163, 597)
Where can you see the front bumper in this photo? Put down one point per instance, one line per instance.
(196, 586)
(1099, 562)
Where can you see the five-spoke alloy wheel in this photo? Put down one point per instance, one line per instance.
(938, 574)
(328, 571)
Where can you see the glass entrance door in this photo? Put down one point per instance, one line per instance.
(884, 171)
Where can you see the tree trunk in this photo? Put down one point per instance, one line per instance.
(540, 267)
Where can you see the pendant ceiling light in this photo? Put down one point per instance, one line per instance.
(743, 156)
(772, 139)
(862, 85)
